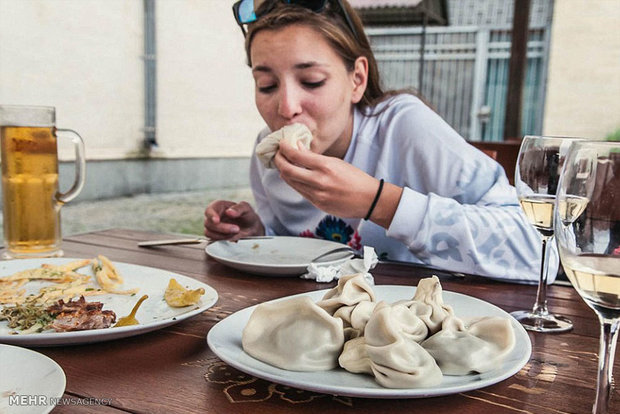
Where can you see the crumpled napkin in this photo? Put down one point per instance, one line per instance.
(326, 274)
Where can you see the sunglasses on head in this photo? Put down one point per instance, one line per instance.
(246, 11)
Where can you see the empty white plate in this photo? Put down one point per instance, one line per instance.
(30, 382)
(275, 256)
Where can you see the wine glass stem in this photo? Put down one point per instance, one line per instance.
(609, 338)
(540, 307)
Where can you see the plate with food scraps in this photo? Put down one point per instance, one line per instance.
(276, 256)
(105, 286)
(30, 382)
(224, 339)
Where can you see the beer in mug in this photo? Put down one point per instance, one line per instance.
(31, 200)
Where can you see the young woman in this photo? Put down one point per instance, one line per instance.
(383, 169)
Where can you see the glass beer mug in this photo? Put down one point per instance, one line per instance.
(31, 200)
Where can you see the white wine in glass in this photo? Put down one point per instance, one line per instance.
(587, 225)
(537, 174)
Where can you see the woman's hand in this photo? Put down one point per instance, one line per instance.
(329, 183)
(335, 186)
(230, 220)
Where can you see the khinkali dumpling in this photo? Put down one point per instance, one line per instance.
(389, 351)
(408, 322)
(354, 357)
(294, 334)
(351, 290)
(268, 146)
(478, 346)
(355, 317)
(428, 304)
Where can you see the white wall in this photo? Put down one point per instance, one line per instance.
(583, 92)
(205, 89)
(85, 58)
(81, 56)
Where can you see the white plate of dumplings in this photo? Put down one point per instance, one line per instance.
(225, 340)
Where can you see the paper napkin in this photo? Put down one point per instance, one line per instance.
(326, 274)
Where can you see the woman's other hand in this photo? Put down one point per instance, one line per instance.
(229, 220)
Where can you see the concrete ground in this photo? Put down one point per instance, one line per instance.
(167, 212)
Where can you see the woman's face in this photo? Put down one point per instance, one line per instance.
(300, 79)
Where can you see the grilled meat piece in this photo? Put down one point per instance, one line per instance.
(80, 315)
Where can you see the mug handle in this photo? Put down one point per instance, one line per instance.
(80, 167)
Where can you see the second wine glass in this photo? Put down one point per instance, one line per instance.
(587, 223)
(537, 174)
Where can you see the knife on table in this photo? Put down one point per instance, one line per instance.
(193, 240)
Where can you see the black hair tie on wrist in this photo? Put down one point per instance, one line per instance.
(374, 202)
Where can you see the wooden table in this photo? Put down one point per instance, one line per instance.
(173, 370)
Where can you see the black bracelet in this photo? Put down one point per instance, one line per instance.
(374, 202)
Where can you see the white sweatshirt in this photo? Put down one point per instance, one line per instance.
(457, 211)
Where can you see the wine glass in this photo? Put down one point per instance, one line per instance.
(539, 164)
(587, 223)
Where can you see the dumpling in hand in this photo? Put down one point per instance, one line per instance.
(268, 146)
(294, 334)
(479, 346)
(351, 290)
(388, 350)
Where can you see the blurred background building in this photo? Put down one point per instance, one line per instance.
(161, 93)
